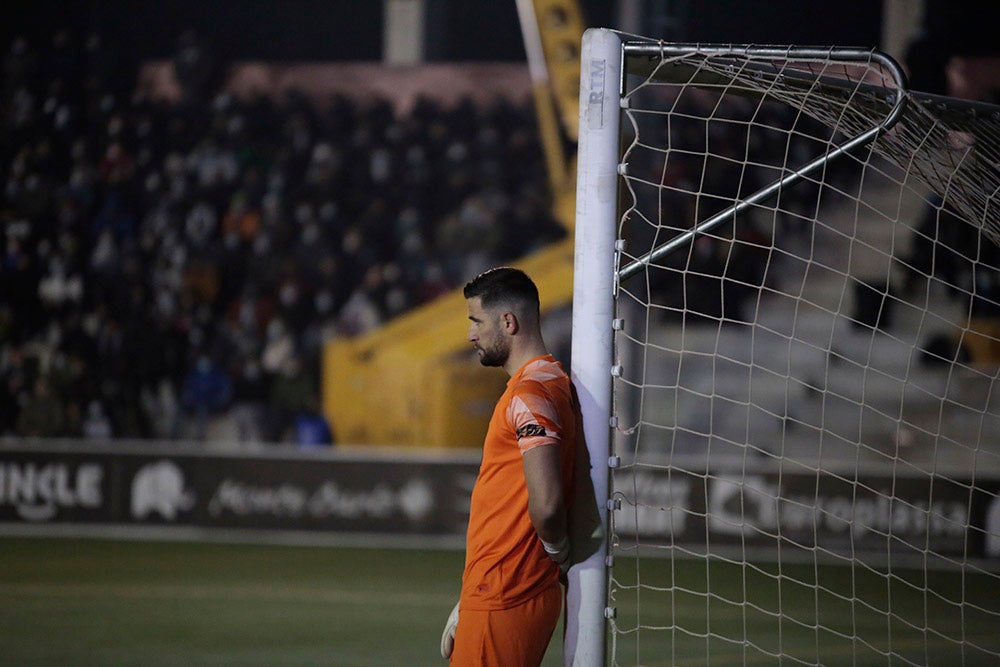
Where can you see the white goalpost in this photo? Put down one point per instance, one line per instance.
(593, 308)
(786, 341)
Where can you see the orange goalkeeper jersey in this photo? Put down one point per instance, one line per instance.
(505, 564)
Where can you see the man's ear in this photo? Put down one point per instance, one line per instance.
(510, 323)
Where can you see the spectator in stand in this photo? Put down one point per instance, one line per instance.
(14, 385)
(96, 425)
(942, 59)
(250, 393)
(291, 389)
(361, 312)
(207, 392)
(43, 414)
(196, 68)
(312, 429)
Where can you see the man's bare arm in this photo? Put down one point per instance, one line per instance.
(546, 504)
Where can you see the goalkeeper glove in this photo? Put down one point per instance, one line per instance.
(448, 636)
(559, 553)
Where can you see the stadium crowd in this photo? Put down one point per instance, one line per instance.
(162, 264)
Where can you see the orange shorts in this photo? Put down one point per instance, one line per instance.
(505, 637)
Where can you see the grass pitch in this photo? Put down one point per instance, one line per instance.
(101, 602)
(82, 602)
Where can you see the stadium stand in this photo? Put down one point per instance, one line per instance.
(145, 241)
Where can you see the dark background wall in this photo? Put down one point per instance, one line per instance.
(488, 30)
(477, 30)
(238, 29)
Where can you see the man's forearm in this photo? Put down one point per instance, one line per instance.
(548, 519)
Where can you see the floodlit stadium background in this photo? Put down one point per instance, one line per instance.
(125, 220)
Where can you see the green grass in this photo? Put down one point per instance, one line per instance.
(689, 612)
(77, 602)
(94, 602)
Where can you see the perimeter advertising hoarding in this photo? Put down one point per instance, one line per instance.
(430, 497)
(845, 516)
(408, 496)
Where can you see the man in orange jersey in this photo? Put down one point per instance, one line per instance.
(517, 546)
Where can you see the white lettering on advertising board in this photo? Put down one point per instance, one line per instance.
(753, 505)
(37, 491)
(414, 499)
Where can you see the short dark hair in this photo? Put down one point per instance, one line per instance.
(504, 285)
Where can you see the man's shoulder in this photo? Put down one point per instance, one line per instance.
(542, 376)
(543, 370)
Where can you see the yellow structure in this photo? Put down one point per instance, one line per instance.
(552, 32)
(415, 381)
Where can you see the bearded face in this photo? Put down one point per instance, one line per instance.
(487, 336)
(493, 353)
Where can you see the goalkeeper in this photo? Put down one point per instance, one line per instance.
(517, 548)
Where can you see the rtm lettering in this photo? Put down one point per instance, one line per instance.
(38, 491)
(597, 68)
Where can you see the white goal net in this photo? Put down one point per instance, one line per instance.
(804, 352)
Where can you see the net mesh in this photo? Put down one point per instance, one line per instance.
(805, 389)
